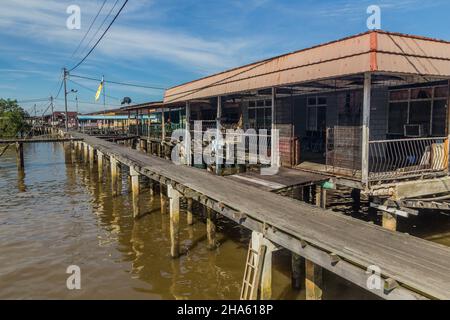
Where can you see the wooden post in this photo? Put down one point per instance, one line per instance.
(91, 156)
(135, 189)
(365, 128)
(19, 154)
(274, 156)
(389, 221)
(298, 271)
(219, 151)
(152, 190)
(174, 199)
(321, 197)
(163, 199)
(86, 152)
(266, 275)
(190, 217)
(187, 142)
(114, 173)
(163, 126)
(100, 163)
(313, 281)
(211, 228)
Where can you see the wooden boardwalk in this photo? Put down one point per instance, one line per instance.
(37, 140)
(343, 245)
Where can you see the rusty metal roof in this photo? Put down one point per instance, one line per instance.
(375, 51)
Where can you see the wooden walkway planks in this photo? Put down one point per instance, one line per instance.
(38, 140)
(285, 178)
(418, 264)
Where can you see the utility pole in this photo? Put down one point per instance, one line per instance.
(52, 117)
(65, 99)
(76, 100)
(104, 93)
(35, 114)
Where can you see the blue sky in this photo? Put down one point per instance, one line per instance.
(168, 42)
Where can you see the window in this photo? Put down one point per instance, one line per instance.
(260, 114)
(316, 114)
(425, 106)
(398, 117)
(439, 116)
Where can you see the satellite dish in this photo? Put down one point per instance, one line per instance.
(126, 100)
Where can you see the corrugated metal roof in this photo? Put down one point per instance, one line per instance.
(368, 52)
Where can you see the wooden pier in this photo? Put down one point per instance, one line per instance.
(409, 268)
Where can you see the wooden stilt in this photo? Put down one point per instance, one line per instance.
(100, 163)
(266, 276)
(19, 154)
(85, 152)
(135, 189)
(152, 190)
(190, 218)
(298, 271)
(91, 156)
(389, 221)
(313, 281)
(318, 196)
(174, 199)
(321, 197)
(211, 228)
(163, 198)
(114, 173)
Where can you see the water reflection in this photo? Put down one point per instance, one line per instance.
(65, 213)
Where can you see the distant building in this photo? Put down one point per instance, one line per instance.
(58, 118)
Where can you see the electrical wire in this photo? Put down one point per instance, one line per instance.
(92, 90)
(89, 29)
(100, 39)
(120, 83)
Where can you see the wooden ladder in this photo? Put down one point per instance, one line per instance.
(253, 271)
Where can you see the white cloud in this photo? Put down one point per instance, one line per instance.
(44, 22)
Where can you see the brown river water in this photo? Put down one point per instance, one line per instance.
(59, 213)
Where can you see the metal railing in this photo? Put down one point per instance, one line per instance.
(391, 159)
(343, 151)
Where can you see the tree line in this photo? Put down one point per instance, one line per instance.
(13, 121)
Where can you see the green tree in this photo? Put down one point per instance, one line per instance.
(12, 119)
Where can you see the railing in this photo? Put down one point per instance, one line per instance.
(343, 151)
(247, 147)
(391, 159)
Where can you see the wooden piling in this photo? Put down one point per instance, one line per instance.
(321, 197)
(163, 199)
(135, 189)
(298, 271)
(114, 174)
(389, 221)
(85, 152)
(190, 216)
(211, 228)
(152, 190)
(266, 275)
(19, 154)
(100, 163)
(91, 156)
(313, 282)
(174, 200)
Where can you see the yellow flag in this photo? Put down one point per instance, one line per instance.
(99, 90)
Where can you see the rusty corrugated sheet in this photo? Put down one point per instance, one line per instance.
(373, 51)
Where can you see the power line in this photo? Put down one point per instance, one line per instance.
(92, 90)
(120, 83)
(98, 41)
(32, 100)
(90, 27)
(87, 102)
(100, 27)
